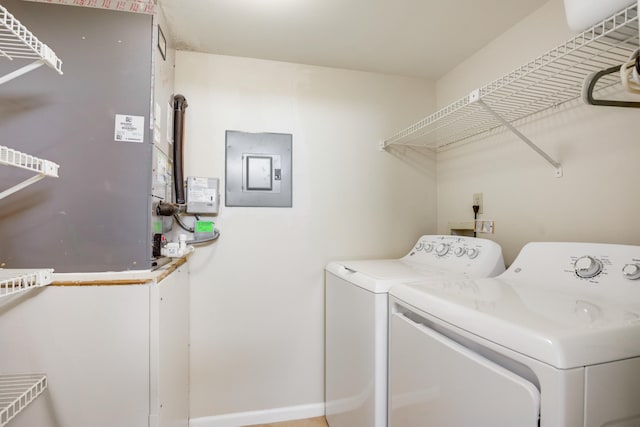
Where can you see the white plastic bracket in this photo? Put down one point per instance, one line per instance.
(382, 146)
(21, 185)
(21, 71)
(475, 97)
(49, 168)
(49, 56)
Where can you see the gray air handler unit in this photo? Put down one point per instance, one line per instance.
(96, 122)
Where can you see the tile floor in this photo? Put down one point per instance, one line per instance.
(310, 422)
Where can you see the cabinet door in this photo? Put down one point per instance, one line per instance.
(92, 342)
(173, 349)
(435, 381)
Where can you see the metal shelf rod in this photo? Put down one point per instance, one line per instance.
(519, 134)
(20, 71)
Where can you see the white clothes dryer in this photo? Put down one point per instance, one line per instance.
(356, 319)
(553, 342)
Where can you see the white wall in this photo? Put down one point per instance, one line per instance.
(596, 200)
(258, 293)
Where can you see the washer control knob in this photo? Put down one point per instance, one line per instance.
(631, 271)
(587, 267)
(459, 251)
(419, 246)
(472, 253)
(428, 247)
(442, 249)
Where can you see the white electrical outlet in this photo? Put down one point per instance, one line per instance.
(477, 201)
(484, 226)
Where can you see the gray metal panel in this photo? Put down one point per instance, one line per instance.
(95, 217)
(241, 147)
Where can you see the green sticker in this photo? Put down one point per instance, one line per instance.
(204, 227)
(157, 227)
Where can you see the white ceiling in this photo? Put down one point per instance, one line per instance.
(421, 38)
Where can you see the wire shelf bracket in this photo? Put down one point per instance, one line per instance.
(17, 391)
(546, 82)
(475, 97)
(17, 42)
(42, 168)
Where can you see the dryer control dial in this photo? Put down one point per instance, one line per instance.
(459, 251)
(587, 267)
(442, 249)
(419, 246)
(631, 271)
(428, 247)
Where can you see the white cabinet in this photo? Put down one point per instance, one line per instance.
(170, 351)
(115, 355)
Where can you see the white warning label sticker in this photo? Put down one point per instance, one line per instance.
(129, 128)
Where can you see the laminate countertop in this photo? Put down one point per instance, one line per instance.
(118, 278)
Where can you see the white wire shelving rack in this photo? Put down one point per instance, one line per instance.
(545, 82)
(15, 280)
(17, 391)
(17, 42)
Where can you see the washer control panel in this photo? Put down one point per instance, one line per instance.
(458, 253)
(459, 246)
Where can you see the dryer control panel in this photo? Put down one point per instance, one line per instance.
(587, 263)
(602, 281)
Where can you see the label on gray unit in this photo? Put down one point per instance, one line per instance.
(129, 128)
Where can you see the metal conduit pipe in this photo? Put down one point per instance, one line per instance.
(179, 107)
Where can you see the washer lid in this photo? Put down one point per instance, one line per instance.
(548, 323)
(379, 275)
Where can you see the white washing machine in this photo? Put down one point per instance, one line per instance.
(356, 319)
(552, 342)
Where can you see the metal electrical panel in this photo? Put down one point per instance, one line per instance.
(202, 195)
(258, 169)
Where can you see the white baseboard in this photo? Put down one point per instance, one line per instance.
(239, 419)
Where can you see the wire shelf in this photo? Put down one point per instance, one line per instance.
(13, 281)
(11, 157)
(16, 41)
(548, 81)
(42, 168)
(17, 391)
